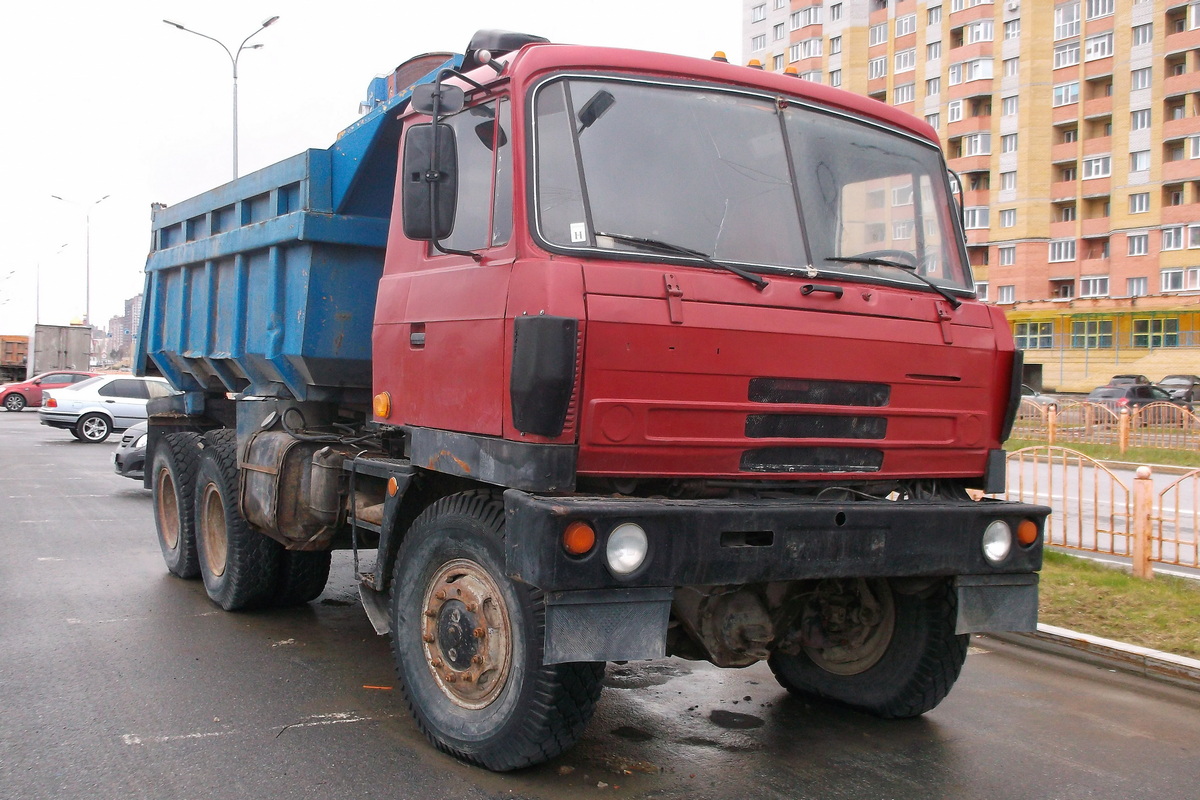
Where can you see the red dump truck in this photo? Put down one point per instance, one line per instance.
(594, 355)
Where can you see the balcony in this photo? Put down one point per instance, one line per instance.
(1062, 230)
(1098, 68)
(1066, 113)
(983, 87)
(971, 164)
(1098, 107)
(1182, 84)
(1186, 40)
(1180, 128)
(1185, 169)
(1185, 214)
(1095, 187)
(1097, 145)
(967, 15)
(966, 52)
(1064, 190)
(1096, 226)
(1064, 151)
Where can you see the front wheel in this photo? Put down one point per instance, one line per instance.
(14, 402)
(867, 645)
(468, 644)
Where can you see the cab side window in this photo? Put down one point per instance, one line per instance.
(484, 175)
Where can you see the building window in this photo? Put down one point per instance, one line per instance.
(1066, 54)
(1008, 106)
(1139, 160)
(1006, 294)
(1098, 167)
(1070, 135)
(1140, 78)
(1170, 280)
(1012, 29)
(794, 20)
(1096, 286)
(1099, 8)
(1138, 243)
(811, 48)
(1139, 120)
(1066, 20)
(877, 34)
(1008, 218)
(813, 75)
(1067, 174)
(1136, 287)
(1193, 237)
(835, 45)
(777, 32)
(1066, 93)
(1012, 66)
(977, 144)
(1062, 250)
(933, 120)
(794, 52)
(1099, 46)
(877, 67)
(1172, 238)
(904, 93)
(1008, 143)
(1090, 334)
(1159, 332)
(906, 61)
(973, 70)
(933, 16)
(758, 13)
(1008, 181)
(810, 16)
(975, 217)
(835, 12)
(933, 51)
(1034, 335)
(777, 62)
(954, 110)
(1143, 34)
(1066, 214)
(835, 77)
(981, 31)
(906, 25)
(1139, 203)
(981, 290)
(933, 86)
(759, 43)
(1007, 255)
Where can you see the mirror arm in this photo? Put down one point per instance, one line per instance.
(433, 177)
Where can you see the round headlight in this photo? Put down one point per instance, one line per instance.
(997, 541)
(626, 549)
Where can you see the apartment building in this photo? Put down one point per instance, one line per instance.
(1075, 128)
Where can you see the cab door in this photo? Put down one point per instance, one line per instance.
(439, 345)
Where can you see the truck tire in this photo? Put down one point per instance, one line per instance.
(173, 477)
(14, 402)
(92, 428)
(302, 577)
(239, 565)
(468, 644)
(903, 667)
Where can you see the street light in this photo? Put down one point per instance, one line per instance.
(87, 256)
(233, 58)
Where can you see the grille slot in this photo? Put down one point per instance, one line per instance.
(819, 393)
(814, 426)
(812, 459)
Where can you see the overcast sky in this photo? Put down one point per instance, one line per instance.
(103, 99)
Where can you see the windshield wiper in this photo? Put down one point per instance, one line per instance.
(676, 249)
(910, 269)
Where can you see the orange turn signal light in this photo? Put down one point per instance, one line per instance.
(393, 486)
(382, 405)
(1027, 532)
(578, 538)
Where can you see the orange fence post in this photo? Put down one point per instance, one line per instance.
(1123, 430)
(1051, 423)
(1143, 502)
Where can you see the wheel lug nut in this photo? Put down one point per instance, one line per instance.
(451, 677)
(476, 659)
(471, 607)
(467, 678)
(431, 613)
(428, 638)
(440, 594)
(479, 633)
(436, 663)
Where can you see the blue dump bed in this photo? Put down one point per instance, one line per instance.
(267, 285)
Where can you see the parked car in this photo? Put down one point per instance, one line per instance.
(95, 408)
(1034, 396)
(1126, 380)
(1133, 396)
(16, 396)
(1180, 387)
(129, 459)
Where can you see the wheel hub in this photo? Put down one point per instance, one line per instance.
(848, 625)
(168, 509)
(465, 631)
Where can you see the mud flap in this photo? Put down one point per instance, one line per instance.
(606, 625)
(996, 603)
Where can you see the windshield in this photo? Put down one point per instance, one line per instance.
(738, 178)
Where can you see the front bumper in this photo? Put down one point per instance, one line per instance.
(594, 614)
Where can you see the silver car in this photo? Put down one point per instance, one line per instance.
(93, 409)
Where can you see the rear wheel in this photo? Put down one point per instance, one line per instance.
(302, 576)
(468, 644)
(868, 646)
(14, 402)
(239, 565)
(173, 471)
(92, 428)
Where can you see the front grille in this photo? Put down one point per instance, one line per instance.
(812, 459)
(822, 393)
(814, 426)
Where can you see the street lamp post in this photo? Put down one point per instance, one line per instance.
(87, 256)
(233, 59)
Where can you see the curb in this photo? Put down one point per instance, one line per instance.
(1153, 664)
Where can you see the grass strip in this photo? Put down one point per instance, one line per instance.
(1110, 452)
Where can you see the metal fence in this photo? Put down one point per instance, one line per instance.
(1162, 425)
(1100, 510)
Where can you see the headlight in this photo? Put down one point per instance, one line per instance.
(997, 541)
(141, 441)
(626, 549)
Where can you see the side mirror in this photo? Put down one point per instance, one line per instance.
(37, 382)
(450, 98)
(429, 191)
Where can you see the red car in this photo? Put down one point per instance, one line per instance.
(15, 396)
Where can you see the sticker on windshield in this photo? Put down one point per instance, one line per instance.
(578, 232)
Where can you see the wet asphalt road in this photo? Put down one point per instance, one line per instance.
(119, 681)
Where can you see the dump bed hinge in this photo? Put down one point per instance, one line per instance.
(674, 298)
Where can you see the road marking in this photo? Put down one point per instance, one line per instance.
(316, 720)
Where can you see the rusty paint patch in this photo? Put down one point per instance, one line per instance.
(462, 465)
